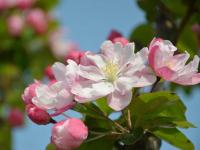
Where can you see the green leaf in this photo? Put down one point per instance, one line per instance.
(50, 147)
(176, 7)
(149, 7)
(188, 41)
(174, 137)
(89, 109)
(138, 33)
(133, 137)
(158, 109)
(98, 124)
(103, 105)
(104, 143)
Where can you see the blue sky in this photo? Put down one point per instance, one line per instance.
(89, 22)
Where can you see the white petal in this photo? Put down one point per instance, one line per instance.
(119, 101)
(126, 54)
(145, 77)
(90, 72)
(124, 84)
(87, 90)
(107, 49)
(191, 67)
(96, 59)
(59, 71)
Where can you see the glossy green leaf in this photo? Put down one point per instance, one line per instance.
(158, 109)
(104, 143)
(103, 105)
(174, 137)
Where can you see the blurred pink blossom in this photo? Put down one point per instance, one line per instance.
(15, 25)
(75, 55)
(49, 73)
(16, 117)
(24, 4)
(38, 20)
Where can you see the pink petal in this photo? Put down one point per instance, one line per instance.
(165, 73)
(188, 79)
(119, 101)
(152, 56)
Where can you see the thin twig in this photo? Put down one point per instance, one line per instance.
(129, 119)
(154, 85)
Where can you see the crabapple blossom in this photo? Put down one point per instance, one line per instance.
(38, 20)
(113, 73)
(61, 47)
(15, 25)
(57, 95)
(15, 117)
(29, 93)
(37, 115)
(173, 67)
(69, 134)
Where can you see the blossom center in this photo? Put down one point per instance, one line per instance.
(111, 71)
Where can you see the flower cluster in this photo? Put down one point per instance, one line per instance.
(27, 15)
(112, 73)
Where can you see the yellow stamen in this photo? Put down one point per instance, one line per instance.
(111, 70)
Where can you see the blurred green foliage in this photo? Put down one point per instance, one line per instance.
(22, 57)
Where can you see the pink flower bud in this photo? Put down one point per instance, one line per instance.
(16, 117)
(122, 40)
(38, 115)
(69, 134)
(114, 34)
(75, 55)
(24, 4)
(29, 93)
(38, 20)
(49, 73)
(15, 25)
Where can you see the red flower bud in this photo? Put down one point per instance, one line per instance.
(37, 115)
